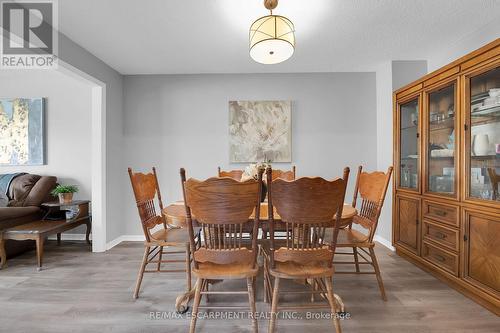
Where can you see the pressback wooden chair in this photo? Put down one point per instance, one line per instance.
(371, 188)
(495, 180)
(307, 207)
(282, 174)
(235, 174)
(156, 232)
(221, 206)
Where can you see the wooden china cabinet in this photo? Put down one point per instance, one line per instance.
(446, 211)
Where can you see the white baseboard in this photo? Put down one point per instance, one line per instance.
(140, 238)
(71, 237)
(124, 238)
(384, 242)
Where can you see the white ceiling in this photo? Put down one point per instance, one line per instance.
(211, 36)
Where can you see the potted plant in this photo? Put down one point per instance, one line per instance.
(65, 193)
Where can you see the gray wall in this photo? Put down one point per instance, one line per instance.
(174, 121)
(116, 175)
(406, 71)
(68, 124)
(391, 75)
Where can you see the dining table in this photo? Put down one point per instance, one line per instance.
(175, 215)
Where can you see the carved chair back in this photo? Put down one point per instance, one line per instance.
(146, 188)
(286, 175)
(235, 174)
(495, 180)
(307, 207)
(221, 206)
(371, 188)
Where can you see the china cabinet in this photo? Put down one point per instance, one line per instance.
(446, 202)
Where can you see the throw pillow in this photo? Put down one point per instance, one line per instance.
(4, 200)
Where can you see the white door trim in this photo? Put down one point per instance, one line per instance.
(98, 153)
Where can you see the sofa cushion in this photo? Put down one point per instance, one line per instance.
(40, 192)
(20, 187)
(4, 200)
(13, 213)
(31, 190)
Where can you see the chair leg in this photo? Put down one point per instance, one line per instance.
(196, 304)
(333, 306)
(160, 256)
(251, 300)
(274, 306)
(313, 289)
(204, 287)
(141, 271)
(266, 300)
(356, 260)
(377, 273)
(188, 267)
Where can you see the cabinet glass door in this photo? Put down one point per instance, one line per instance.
(441, 140)
(484, 139)
(409, 148)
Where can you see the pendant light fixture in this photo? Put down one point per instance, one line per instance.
(272, 37)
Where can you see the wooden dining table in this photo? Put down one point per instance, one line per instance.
(175, 214)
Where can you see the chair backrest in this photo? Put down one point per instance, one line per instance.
(495, 180)
(307, 207)
(146, 188)
(221, 206)
(235, 174)
(286, 175)
(372, 188)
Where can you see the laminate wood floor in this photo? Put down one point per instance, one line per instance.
(79, 291)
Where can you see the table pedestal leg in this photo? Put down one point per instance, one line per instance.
(182, 301)
(340, 303)
(338, 300)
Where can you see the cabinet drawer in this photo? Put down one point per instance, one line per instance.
(441, 258)
(446, 237)
(441, 213)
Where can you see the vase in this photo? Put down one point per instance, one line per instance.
(264, 192)
(65, 198)
(481, 145)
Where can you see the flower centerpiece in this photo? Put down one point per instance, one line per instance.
(252, 172)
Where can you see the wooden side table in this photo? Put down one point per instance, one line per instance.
(39, 230)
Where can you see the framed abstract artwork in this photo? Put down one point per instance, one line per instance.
(260, 131)
(22, 131)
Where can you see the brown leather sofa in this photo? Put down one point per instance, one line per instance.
(26, 192)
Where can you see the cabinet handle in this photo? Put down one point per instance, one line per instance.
(440, 212)
(439, 257)
(440, 235)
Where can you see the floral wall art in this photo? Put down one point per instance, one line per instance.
(21, 131)
(260, 131)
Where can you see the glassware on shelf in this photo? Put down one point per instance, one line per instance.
(484, 134)
(409, 138)
(441, 157)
